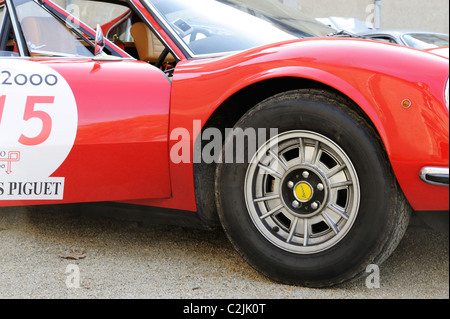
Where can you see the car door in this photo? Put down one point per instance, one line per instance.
(75, 127)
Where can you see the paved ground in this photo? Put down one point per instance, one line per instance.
(127, 259)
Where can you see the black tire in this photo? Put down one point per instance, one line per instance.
(379, 212)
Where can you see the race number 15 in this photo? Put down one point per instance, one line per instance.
(30, 113)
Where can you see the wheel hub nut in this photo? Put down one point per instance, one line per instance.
(315, 205)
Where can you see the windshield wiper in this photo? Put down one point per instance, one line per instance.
(344, 33)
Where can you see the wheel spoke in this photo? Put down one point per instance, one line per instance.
(301, 151)
(331, 223)
(316, 152)
(270, 170)
(292, 230)
(341, 184)
(270, 213)
(305, 232)
(335, 170)
(279, 159)
(339, 211)
(263, 199)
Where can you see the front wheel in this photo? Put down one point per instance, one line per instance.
(317, 203)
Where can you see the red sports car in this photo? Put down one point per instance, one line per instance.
(310, 150)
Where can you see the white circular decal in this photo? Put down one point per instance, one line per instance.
(38, 127)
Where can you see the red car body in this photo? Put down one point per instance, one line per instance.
(359, 69)
(128, 112)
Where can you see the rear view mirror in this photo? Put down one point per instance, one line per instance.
(99, 41)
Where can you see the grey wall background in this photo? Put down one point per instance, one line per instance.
(426, 15)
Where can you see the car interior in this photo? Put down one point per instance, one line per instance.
(145, 45)
(130, 33)
(127, 31)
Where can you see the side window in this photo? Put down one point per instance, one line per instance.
(113, 18)
(2, 12)
(45, 35)
(8, 45)
(121, 26)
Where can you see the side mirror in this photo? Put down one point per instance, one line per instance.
(99, 41)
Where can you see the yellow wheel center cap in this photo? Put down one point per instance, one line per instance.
(303, 192)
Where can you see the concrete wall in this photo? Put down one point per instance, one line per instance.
(426, 15)
(429, 15)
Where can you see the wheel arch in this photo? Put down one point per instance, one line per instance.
(228, 113)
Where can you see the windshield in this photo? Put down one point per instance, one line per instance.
(425, 41)
(218, 26)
